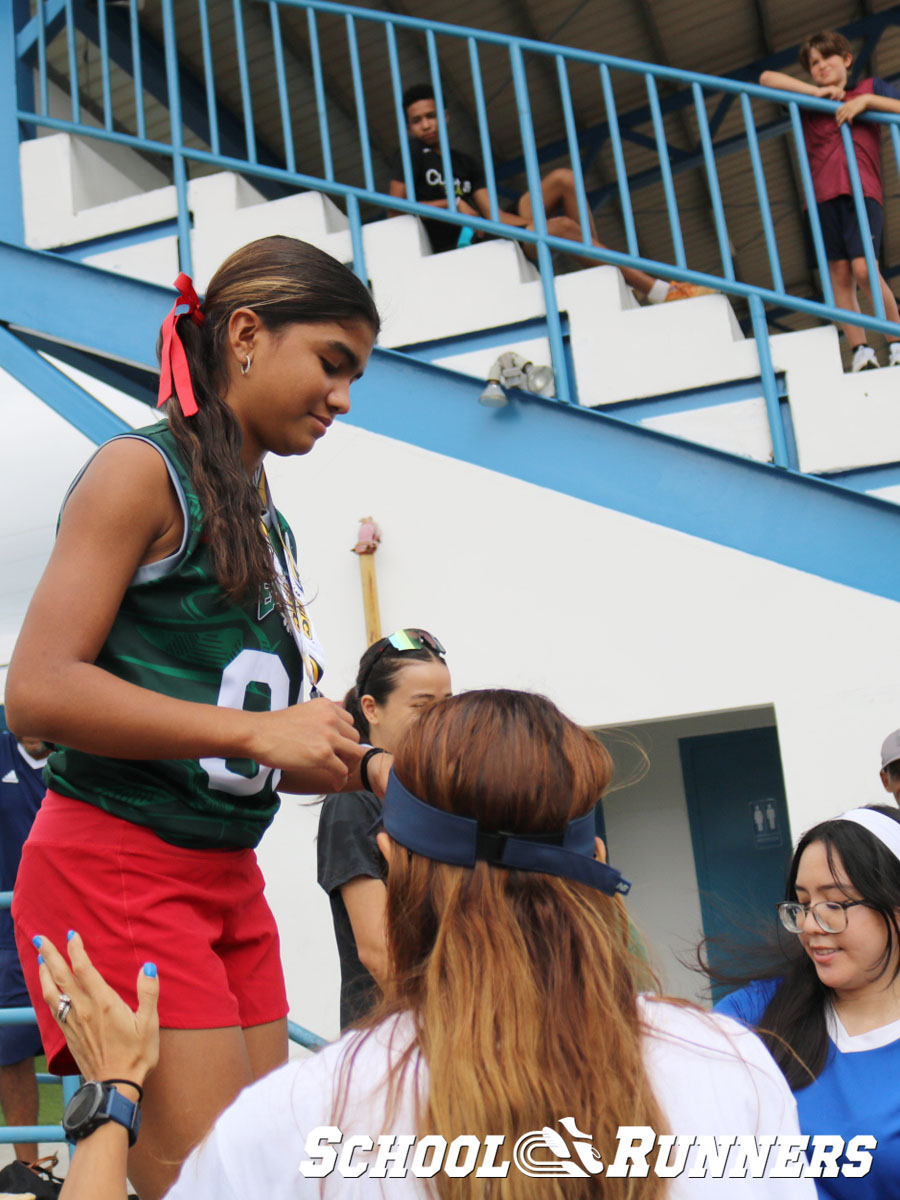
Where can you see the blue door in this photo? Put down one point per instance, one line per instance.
(740, 834)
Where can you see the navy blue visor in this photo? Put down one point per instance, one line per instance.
(450, 838)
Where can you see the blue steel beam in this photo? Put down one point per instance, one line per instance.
(57, 391)
(12, 83)
(82, 306)
(775, 514)
(133, 381)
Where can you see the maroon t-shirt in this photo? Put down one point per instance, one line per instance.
(825, 149)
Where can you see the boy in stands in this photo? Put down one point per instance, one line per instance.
(557, 193)
(827, 57)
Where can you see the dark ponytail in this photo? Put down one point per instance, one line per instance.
(379, 669)
(285, 282)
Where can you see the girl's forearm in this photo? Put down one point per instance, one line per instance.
(99, 1167)
(82, 705)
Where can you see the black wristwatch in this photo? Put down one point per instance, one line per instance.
(96, 1103)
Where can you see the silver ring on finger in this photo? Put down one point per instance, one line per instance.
(63, 1007)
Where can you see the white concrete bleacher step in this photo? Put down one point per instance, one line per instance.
(621, 350)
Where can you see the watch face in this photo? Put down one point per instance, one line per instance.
(83, 1107)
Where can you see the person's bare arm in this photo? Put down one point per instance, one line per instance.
(398, 189)
(789, 83)
(119, 516)
(867, 101)
(364, 898)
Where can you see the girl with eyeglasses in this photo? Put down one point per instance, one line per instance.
(830, 1011)
(398, 676)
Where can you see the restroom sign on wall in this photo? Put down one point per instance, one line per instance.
(766, 823)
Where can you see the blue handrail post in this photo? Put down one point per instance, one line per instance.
(812, 209)
(16, 92)
(565, 96)
(712, 179)
(319, 86)
(73, 68)
(545, 258)
(178, 163)
(615, 138)
(446, 159)
(662, 149)
(400, 112)
(244, 77)
(42, 58)
(360, 97)
(281, 78)
(212, 107)
(137, 73)
(863, 218)
(770, 389)
(356, 239)
(487, 156)
(762, 193)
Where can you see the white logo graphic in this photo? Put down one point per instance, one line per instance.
(548, 1139)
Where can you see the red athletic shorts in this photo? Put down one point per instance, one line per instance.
(200, 915)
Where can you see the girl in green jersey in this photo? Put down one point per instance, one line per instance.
(166, 652)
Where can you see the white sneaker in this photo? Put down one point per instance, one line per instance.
(864, 359)
(894, 354)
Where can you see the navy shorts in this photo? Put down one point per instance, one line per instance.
(17, 1042)
(840, 229)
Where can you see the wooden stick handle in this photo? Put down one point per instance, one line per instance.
(370, 597)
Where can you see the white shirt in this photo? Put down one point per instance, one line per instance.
(710, 1075)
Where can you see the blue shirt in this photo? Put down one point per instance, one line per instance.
(858, 1092)
(21, 792)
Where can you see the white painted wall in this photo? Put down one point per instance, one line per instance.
(618, 620)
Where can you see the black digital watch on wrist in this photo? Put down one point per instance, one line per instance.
(93, 1105)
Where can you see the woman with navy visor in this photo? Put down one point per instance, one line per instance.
(509, 1043)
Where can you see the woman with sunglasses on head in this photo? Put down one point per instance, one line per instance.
(510, 1042)
(830, 1009)
(398, 676)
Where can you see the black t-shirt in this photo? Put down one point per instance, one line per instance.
(428, 179)
(346, 850)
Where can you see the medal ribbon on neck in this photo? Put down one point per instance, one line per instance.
(296, 617)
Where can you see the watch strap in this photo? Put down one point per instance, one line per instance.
(112, 1106)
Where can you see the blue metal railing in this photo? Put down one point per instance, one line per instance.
(425, 42)
(70, 1083)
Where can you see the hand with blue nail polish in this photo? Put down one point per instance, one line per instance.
(107, 1038)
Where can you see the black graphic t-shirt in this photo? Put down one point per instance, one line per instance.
(428, 179)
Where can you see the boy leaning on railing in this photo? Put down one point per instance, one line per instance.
(827, 58)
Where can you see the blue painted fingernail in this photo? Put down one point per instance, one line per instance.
(36, 941)
(70, 935)
(40, 959)
(150, 970)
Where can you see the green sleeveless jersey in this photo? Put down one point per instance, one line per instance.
(178, 634)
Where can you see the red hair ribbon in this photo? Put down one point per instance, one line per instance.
(174, 373)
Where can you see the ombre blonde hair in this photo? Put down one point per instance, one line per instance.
(520, 985)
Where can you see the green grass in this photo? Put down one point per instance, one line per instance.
(50, 1100)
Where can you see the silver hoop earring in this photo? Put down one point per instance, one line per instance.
(246, 367)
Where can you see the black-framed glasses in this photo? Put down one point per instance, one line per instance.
(404, 640)
(829, 915)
